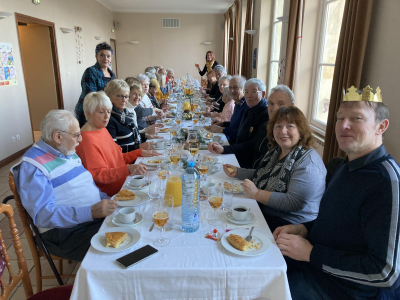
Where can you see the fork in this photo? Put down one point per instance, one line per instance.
(249, 237)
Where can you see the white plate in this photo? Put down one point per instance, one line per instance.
(214, 170)
(117, 222)
(237, 188)
(162, 148)
(140, 199)
(258, 237)
(135, 188)
(216, 159)
(250, 218)
(147, 159)
(98, 241)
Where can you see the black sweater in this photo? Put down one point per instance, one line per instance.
(355, 237)
(205, 68)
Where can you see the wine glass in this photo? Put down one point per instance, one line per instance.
(203, 169)
(215, 200)
(195, 118)
(169, 201)
(162, 175)
(193, 148)
(178, 119)
(174, 156)
(161, 214)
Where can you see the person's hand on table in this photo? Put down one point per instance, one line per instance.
(216, 129)
(294, 246)
(146, 145)
(216, 122)
(165, 109)
(249, 188)
(152, 129)
(137, 169)
(291, 229)
(214, 147)
(152, 137)
(103, 208)
(150, 153)
(230, 170)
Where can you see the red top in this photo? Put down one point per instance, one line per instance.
(104, 159)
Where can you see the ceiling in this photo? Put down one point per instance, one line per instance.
(169, 6)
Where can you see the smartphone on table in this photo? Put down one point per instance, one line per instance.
(136, 256)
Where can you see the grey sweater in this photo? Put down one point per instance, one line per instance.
(305, 189)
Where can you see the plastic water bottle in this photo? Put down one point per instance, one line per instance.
(190, 199)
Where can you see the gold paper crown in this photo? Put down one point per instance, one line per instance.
(367, 95)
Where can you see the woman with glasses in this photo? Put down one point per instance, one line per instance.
(100, 155)
(95, 78)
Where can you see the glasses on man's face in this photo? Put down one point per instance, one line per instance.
(122, 97)
(74, 135)
(253, 92)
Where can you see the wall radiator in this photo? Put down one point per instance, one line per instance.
(319, 144)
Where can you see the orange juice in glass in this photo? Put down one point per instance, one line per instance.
(186, 106)
(174, 187)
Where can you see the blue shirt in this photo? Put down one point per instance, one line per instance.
(36, 192)
(93, 80)
(232, 128)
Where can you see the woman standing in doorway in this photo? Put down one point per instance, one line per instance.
(95, 78)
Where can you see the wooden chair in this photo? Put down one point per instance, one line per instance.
(60, 293)
(36, 244)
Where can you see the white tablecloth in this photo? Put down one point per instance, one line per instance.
(190, 267)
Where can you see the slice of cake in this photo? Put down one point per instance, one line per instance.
(238, 242)
(114, 239)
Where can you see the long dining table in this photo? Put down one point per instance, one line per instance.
(190, 266)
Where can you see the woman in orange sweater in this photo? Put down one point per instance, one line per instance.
(100, 155)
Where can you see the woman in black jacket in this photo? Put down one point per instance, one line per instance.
(210, 63)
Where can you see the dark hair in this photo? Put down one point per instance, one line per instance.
(292, 115)
(104, 46)
(212, 55)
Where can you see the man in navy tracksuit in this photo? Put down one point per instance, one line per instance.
(351, 250)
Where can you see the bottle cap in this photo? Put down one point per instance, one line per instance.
(191, 164)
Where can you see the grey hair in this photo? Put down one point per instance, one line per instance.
(260, 85)
(143, 77)
(284, 89)
(170, 70)
(226, 92)
(150, 70)
(94, 100)
(58, 119)
(220, 68)
(225, 77)
(116, 85)
(151, 75)
(242, 80)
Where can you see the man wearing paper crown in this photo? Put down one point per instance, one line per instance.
(351, 250)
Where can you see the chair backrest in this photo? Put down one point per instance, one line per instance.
(23, 273)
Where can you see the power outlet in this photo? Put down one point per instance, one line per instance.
(13, 139)
(18, 137)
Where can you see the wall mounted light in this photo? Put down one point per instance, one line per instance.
(284, 19)
(231, 39)
(207, 43)
(133, 42)
(4, 15)
(98, 37)
(67, 30)
(251, 32)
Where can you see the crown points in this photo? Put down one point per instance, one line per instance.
(367, 95)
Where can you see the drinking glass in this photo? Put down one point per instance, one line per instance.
(154, 185)
(227, 186)
(178, 119)
(215, 200)
(203, 169)
(162, 175)
(174, 156)
(161, 214)
(169, 201)
(195, 118)
(193, 148)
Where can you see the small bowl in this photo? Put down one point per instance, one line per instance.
(208, 187)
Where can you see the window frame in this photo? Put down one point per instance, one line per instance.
(316, 124)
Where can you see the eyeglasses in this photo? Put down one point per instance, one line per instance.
(74, 135)
(122, 97)
(251, 92)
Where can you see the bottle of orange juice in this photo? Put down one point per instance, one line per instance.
(174, 187)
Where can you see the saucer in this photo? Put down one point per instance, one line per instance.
(117, 222)
(132, 187)
(250, 218)
(162, 148)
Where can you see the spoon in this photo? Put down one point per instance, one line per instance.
(249, 237)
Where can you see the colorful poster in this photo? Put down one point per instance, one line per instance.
(8, 74)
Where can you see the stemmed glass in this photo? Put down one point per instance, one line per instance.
(178, 119)
(161, 214)
(174, 156)
(193, 148)
(203, 169)
(169, 201)
(215, 200)
(195, 118)
(162, 175)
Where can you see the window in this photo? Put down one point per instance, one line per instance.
(330, 25)
(275, 43)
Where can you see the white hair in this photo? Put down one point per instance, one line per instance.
(143, 77)
(151, 75)
(95, 100)
(284, 89)
(260, 85)
(170, 70)
(220, 68)
(58, 119)
(225, 77)
(241, 80)
(115, 86)
(150, 70)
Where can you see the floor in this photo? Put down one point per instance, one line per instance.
(18, 292)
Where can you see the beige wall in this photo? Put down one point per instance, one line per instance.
(95, 20)
(38, 60)
(381, 65)
(178, 48)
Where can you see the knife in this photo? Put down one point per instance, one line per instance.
(151, 228)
